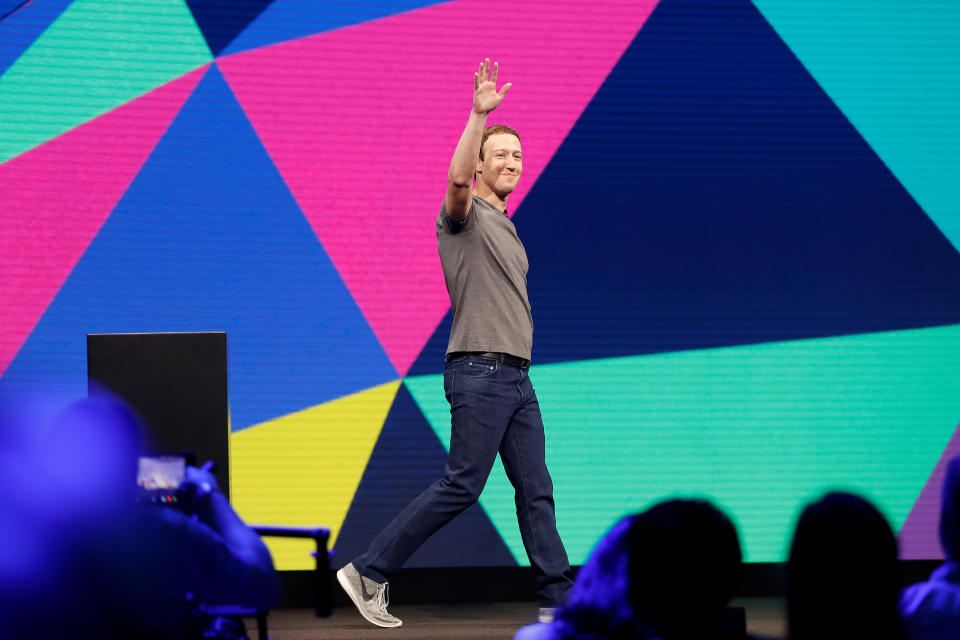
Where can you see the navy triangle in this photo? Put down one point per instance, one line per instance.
(221, 22)
(407, 458)
(209, 238)
(430, 360)
(711, 194)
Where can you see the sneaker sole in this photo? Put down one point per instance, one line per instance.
(345, 585)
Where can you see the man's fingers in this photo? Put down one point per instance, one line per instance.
(484, 75)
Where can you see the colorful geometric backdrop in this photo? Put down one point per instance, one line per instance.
(744, 243)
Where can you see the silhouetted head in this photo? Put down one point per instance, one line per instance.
(599, 604)
(950, 512)
(667, 572)
(76, 489)
(91, 450)
(843, 578)
(685, 567)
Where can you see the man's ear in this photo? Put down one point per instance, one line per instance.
(478, 170)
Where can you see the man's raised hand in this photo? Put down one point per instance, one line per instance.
(485, 95)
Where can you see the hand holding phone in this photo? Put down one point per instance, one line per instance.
(159, 478)
(197, 482)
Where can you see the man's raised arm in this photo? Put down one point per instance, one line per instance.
(464, 163)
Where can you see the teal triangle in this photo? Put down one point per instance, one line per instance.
(759, 428)
(891, 68)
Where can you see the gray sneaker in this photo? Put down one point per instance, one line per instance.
(370, 597)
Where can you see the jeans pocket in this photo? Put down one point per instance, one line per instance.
(480, 368)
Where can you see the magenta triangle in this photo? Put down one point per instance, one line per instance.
(919, 536)
(362, 122)
(55, 198)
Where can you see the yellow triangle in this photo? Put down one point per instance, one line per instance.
(303, 469)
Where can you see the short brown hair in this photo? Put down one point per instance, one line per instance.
(494, 130)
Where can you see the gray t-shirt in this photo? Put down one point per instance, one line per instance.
(485, 266)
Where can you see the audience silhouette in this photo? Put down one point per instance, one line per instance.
(599, 604)
(117, 569)
(666, 573)
(842, 576)
(931, 609)
(686, 566)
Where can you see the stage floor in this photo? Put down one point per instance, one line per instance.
(500, 620)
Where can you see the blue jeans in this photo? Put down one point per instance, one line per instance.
(493, 409)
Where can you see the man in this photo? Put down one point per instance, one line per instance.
(492, 403)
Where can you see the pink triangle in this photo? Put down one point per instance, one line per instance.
(55, 197)
(362, 122)
(919, 536)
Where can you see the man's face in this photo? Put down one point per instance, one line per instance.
(502, 163)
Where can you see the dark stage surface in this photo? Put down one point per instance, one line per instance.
(765, 617)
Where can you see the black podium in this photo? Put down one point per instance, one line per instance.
(176, 382)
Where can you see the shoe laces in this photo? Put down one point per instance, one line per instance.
(383, 597)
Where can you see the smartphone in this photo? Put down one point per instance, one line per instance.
(159, 477)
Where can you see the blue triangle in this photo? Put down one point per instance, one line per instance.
(220, 22)
(406, 460)
(710, 195)
(24, 25)
(289, 19)
(208, 237)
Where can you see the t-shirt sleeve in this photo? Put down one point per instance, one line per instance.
(454, 227)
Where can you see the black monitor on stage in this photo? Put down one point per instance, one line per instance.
(176, 382)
